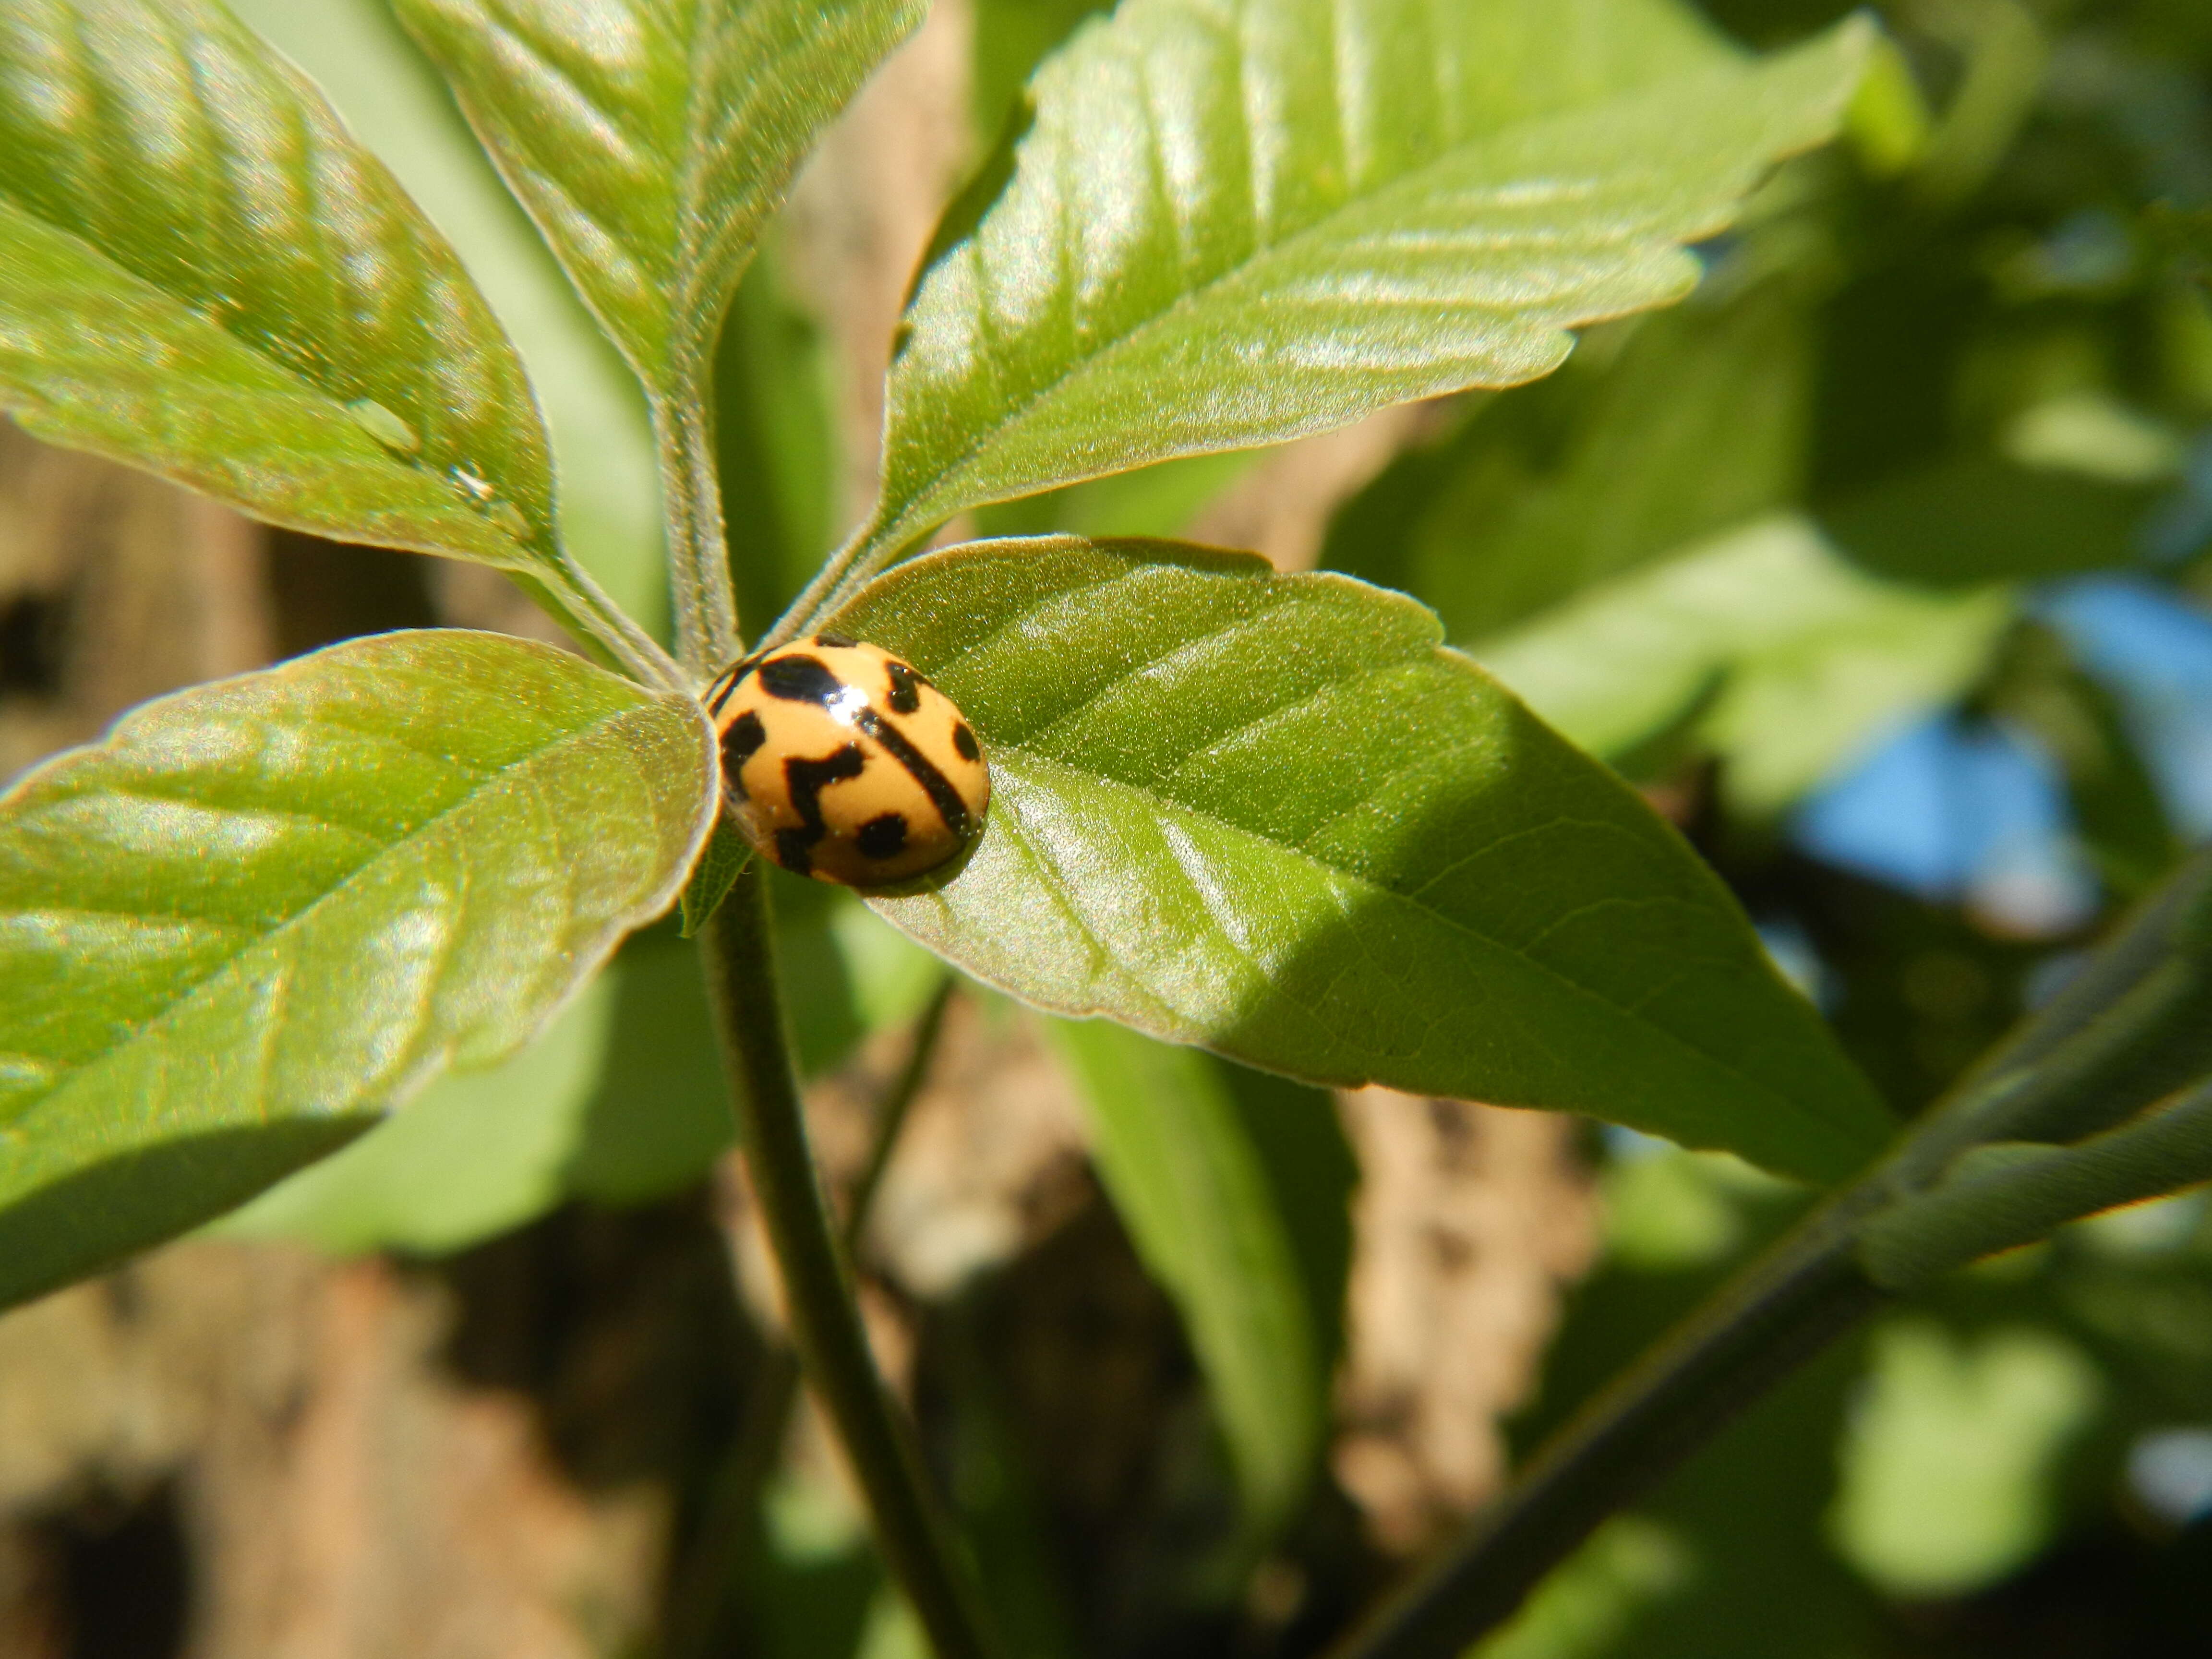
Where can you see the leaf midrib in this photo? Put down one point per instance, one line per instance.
(209, 981)
(908, 521)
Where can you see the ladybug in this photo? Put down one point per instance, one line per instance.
(843, 763)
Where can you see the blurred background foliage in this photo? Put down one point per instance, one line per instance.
(1883, 565)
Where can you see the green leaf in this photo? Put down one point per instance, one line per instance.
(202, 274)
(395, 102)
(1236, 224)
(1190, 1184)
(1692, 424)
(1789, 659)
(651, 139)
(266, 911)
(619, 1100)
(1952, 1461)
(1271, 815)
(1969, 520)
(717, 872)
(477, 1153)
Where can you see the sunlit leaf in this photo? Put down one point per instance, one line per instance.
(1233, 223)
(651, 138)
(264, 912)
(395, 103)
(1693, 425)
(477, 1153)
(619, 1100)
(1951, 1462)
(1790, 659)
(1271, 815)
(201, 273)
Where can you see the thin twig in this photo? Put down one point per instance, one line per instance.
(1778, 1313)
(820, 598)
(726, 1530)
(2128, 1029)
(917, 1542)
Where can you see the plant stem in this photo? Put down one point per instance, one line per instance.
(2128, 1029)
(1780, 1311)
(819, 599)
(699, 583)
(871, 550)
(600, 625)
(891, 1110)
(734, 1498)
(918, 1543)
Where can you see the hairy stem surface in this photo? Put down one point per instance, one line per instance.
(917, 1542)
(700, 587)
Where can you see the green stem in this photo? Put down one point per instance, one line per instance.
(600, 625)
(700, 585)
(1778, 1312)
(890, 1112)
(725, 1531)
(917, 1542)
(817, 601)
(871, 550)
(639, 649)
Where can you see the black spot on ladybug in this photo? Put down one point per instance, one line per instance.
(796, 678)
(883, 837)
(806, 779)
(965, 741)
(720, 692)
(942, 794)
(740, 744)
(906, 687)
(794, 850)
(837, 641)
